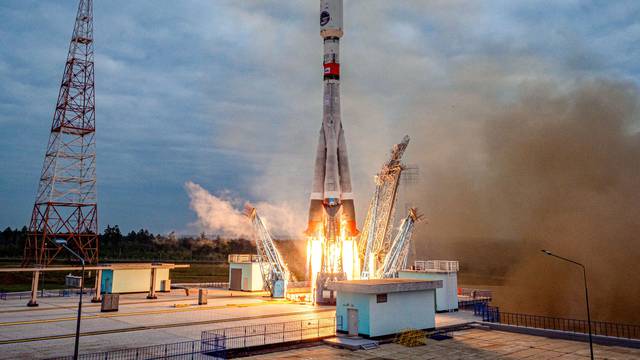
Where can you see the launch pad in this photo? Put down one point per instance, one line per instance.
(49, 330)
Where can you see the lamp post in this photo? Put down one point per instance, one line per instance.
(586, 292)
(63, 243)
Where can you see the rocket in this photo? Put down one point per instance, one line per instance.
(331, 195)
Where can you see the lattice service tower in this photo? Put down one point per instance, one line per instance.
(66, 202)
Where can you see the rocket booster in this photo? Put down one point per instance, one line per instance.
(332, 181)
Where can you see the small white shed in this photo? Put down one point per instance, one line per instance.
(373, 308)
(244, 273)
(443, 270)
(133, 278)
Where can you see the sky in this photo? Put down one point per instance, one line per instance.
(222, 99)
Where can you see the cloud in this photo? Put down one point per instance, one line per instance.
(228, 94)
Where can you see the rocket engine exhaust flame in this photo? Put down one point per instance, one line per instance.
(335, 255)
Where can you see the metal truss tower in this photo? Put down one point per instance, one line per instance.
(375, 239)
(66, 202)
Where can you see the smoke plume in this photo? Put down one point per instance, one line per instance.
(556, 168)
(523, 122)
(222, 215)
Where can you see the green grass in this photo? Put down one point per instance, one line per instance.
(21, 281)
(198, 272)
(201, 273)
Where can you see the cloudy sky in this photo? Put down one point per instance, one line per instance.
(196, 98)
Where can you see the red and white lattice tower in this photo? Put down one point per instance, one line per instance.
(66, 202)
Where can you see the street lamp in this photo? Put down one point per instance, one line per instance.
(63, 243)
(586, 292)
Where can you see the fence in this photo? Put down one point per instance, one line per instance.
(475, 293)
(182, 350)
(243, 258)
(471, 304)
(438, 265)
(225, 285)
(488, 313)
(493, 314)
(601, 328)
(217, 285)
(44, 293)
(215, 343)
(266, 334)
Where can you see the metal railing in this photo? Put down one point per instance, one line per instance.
(599, 328)
(242, 337)
(436, 265)
(471, 304)
(181, 350)
(216, 285)
(215, 343)
(243, 258)
(44, 293)
(475, 293)
(488, 313)
(225, 285)
(493, 314)
(219, 285)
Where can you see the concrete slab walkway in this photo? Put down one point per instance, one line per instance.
(469, 344)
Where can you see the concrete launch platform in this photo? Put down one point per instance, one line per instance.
(48, 330)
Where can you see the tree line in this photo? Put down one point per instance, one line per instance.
(143, 245)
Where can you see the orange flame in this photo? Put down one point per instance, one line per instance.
(344, 248)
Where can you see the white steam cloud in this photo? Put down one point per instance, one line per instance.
(222, 215)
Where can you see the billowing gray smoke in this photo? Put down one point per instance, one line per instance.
(554, 169)
(517, 150)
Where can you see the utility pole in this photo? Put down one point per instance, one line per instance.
(76, 348)
(586, 292)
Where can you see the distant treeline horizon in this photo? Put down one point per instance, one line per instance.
(144, 245)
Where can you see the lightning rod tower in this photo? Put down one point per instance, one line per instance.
(66, 202)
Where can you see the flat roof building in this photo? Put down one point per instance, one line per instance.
(373, 308)
(133, 278)
(444, 270)
(245, 272)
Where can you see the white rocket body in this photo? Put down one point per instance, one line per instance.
(332, 180)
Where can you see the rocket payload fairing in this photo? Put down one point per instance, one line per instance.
(332, 181)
